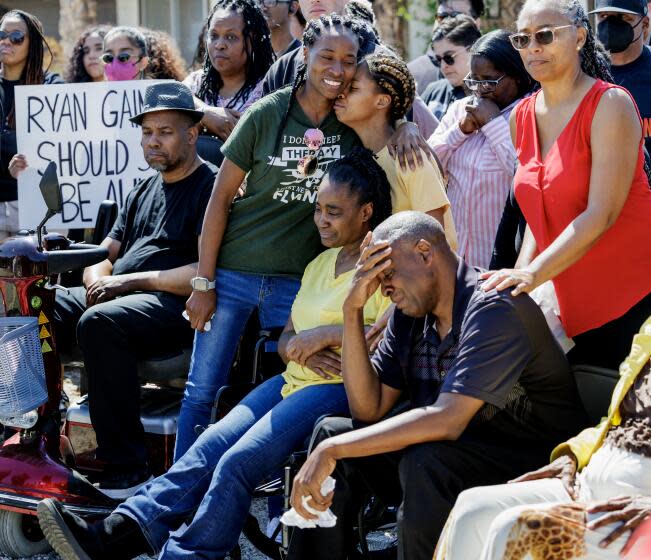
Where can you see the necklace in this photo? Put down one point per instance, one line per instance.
(313, 140)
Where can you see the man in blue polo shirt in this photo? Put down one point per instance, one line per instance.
(490, 393)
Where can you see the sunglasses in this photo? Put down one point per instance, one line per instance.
(545, 36)
(15, 37)
(123, 57)
(447, 58)
(274, 3)
(313, 139)
(483, 86)
(440, 16)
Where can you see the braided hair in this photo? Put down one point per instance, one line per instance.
(257, 44)
(362, 9)
(594, 60)
(33, 72)
(392, 76)
(364, 177)
(76, 72)
(314, 30)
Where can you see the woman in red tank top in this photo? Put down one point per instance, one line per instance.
(582, 188)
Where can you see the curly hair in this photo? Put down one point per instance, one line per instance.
(257, 44)
(75, 72)
(392, 77)
(165, 60)
(594, 60)
(364, 177)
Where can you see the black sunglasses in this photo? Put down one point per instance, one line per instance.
(447, 58)
(123, 57)
(15, 37)
(440, 16)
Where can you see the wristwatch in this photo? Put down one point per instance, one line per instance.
(201, 284)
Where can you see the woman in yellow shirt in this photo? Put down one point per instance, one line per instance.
(224, 465)
(381, 93)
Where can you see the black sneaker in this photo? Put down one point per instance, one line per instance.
(121, 483)
(115, 537)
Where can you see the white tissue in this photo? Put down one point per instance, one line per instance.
(326, 518)
(206, 325)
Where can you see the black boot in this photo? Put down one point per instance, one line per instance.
(116, 537)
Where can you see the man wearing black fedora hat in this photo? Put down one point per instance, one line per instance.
(130, 306)
(622, 26)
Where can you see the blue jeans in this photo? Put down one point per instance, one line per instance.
(221, 470)
(238, 296)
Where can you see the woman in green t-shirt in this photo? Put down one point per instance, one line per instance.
(260, 243)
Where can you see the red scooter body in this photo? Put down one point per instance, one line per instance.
(37, 463)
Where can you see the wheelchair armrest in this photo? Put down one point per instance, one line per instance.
(272, 333)
(106, 215)
(227, 397)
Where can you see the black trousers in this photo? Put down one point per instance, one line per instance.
(112, 337)
(607, 346)
(424, 479)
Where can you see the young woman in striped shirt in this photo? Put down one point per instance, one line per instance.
(474, 145)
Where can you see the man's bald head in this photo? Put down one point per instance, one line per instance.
(422, 267)
(410, 227)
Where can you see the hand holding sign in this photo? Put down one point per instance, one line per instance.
(85, 130)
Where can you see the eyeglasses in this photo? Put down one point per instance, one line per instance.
(274, 3)
(15, 37)
(545, 36)
(313, 139)
(123, 57)
(440, 16)
(482, 86)
(447, 58)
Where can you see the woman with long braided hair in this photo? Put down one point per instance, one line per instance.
(237, 56)
(22, 60)
(381, 93)
(218, 474)
(581, 186)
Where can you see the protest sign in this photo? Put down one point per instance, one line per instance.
(85, 130)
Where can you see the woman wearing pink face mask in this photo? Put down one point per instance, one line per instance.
(125, 54)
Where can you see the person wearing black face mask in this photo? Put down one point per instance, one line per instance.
(622, 26)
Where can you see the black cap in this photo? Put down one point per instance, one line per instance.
(637, 7)
(168, 96)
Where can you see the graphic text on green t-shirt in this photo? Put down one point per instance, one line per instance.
(271, 229)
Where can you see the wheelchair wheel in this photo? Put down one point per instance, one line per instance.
(20, 535)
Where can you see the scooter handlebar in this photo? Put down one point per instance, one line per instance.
(77, 256)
